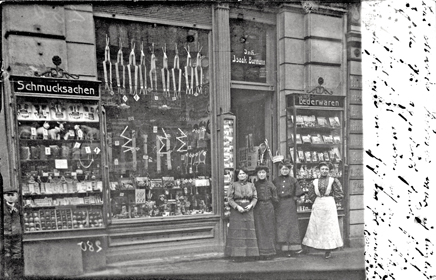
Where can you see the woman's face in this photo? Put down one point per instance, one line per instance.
(324, 170)
(284, 170)
(261, 174)
(242, 176)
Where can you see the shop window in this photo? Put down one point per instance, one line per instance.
(158, 118)
(248, 51)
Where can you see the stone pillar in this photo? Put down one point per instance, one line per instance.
(355, 136)
(221, 49)
(290, 53)
(221, 100)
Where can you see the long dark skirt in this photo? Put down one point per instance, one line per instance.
(288, 232)
(264, 222)
(241, 236)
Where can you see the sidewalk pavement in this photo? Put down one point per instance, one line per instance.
(346, 264)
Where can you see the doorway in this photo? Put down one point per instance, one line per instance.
(254, 119)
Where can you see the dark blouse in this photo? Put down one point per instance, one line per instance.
(241, 190)
(266, 191)
(288, 186)
(336, 191)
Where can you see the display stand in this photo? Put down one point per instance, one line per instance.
(228, 126)
(59, 160)
(315, 133)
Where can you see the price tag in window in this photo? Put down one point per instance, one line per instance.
(33, 131)
(47, 151)
(117, 143)
(145, 156)
(174, 98)
(121, 194)
(156, 97)
(45, 132)
(76, 145)
(80, 133)
(131, 118)
(116, 161)
(88, 150)
(154, 129)
(97, 150)
(44, 174)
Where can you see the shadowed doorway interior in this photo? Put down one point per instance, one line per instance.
(253, 123)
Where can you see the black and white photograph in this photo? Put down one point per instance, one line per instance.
(245, 139)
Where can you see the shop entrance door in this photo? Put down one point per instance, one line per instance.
(254, 121)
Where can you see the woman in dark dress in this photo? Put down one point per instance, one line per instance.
(241, 236)
(288, 191)
(323, 231)
(264, 218)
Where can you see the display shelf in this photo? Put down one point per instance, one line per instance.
(59, 121)
(59, 146)
(56, 194)
(69, 205)
(314, 135)
(326, 128)
(52, 159)
(307, 145)
(52, 141)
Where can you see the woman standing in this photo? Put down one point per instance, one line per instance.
(323, 230)
(241, 237)
(288, 191)
(264, 214)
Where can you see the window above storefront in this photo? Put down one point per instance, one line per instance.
(248, 51)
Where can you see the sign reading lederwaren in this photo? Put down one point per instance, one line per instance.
(335, 101)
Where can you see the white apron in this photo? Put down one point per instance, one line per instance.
(323, 230)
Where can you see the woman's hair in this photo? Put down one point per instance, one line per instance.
(286, 163)
(323, 163)
(262, 167)
(237, 172)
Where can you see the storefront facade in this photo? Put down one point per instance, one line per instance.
(168, 100)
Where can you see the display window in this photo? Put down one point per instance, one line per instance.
(60, 156)
(315, 134)
(157, 99)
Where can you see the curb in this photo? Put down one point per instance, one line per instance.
(166, 260)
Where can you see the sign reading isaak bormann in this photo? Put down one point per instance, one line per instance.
(55, 86)
(335, 101)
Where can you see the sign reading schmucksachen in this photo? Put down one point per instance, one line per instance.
(55, 86)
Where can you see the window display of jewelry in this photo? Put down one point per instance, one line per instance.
(60, 161)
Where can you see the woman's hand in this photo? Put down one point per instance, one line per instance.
(240, 209)
(248, 207)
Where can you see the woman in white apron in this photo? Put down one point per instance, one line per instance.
(323, 230)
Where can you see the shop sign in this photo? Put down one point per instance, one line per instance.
(318, 100)
(248, 57)
(55, 86)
